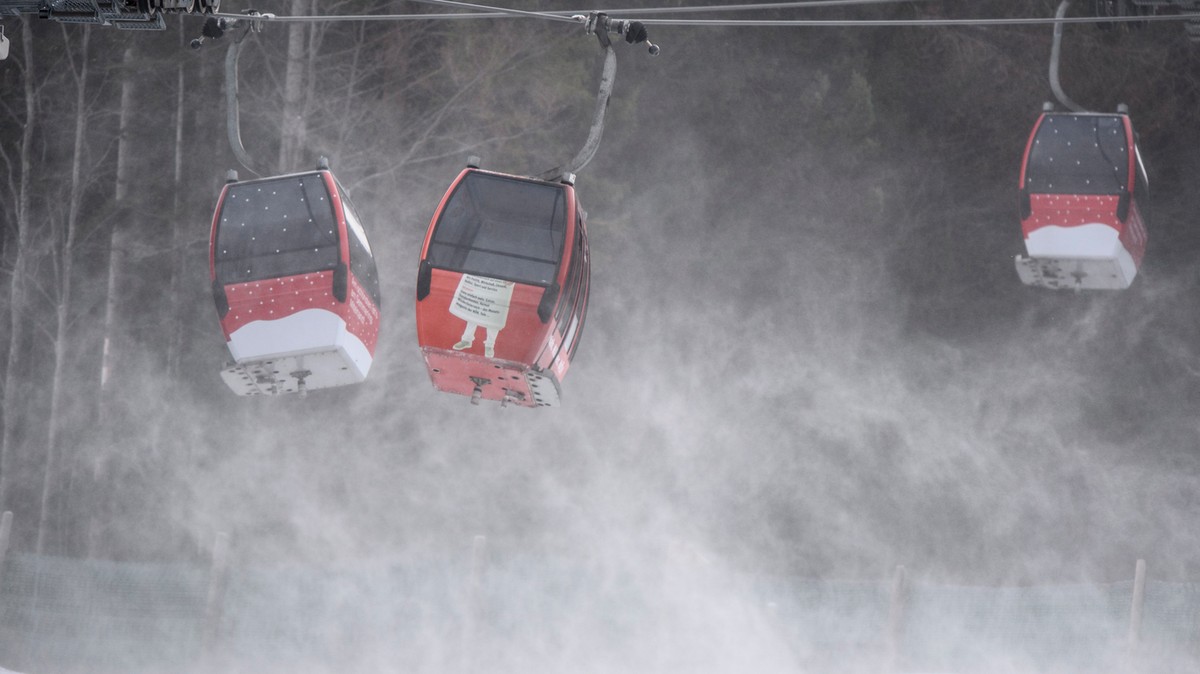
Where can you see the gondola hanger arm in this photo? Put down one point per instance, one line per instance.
(215, 28)
(601, 25)
(585, 154)
(1055, 54)
(232, 111)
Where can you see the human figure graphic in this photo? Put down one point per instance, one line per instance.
(480, 300)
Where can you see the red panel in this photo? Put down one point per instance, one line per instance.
(459, 372)
(1133, 236)
(442, 324)
(362, 316)
(1064, 210)
(1070, 210)
(272, 299)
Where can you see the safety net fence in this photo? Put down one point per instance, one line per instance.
(551, 615)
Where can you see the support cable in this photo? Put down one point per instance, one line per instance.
(480, 12)
(498, 13)
(849, 23)
(752, 7)
(513, 12)
(490, 12)
(1055, 52)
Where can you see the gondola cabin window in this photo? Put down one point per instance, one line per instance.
(571, 287)
(276, 229)
(581, 260)
(570, 314)
(362, 261)
(1141, 188)
(1075, 154)
(501, 228)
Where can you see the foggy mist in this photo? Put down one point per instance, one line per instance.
(807, 361)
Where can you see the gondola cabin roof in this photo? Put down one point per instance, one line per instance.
(503, 272)
(1082, 200)
(295, 285)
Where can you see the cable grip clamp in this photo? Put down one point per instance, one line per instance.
(601, 25)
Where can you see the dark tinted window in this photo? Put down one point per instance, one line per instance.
(1141, 191)
(275, 228)
(1079, 154)
(580, 293)
(501, 228)
(362, 262)
(570, 291)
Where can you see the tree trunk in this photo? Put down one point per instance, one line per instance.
(183, 225)
(16, 302)
(116, 250)
(66, 254)
(315, 34)
(102, 455)
(291, 128)
(162, 438)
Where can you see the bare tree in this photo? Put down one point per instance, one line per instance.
(16, 303)
(65, 231)
(298, 72)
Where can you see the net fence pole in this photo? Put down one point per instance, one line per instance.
(895, 623)
(5, 532)
(214, 600)
(473, 600)
(1135, 609)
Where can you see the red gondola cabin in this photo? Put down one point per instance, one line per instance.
(502, 288)
(295, 286)
(1084, 202)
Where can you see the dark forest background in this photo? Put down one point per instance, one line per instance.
(807, 350)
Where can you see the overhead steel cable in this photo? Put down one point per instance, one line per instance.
(847, 23)
(331, 18)
(501, 10)
(761, 6)
(477, 12)
(488, 12)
